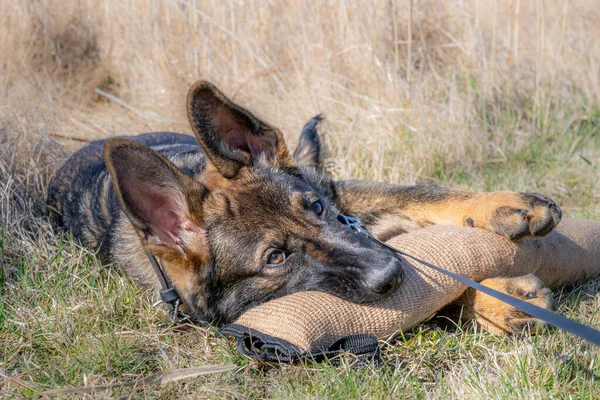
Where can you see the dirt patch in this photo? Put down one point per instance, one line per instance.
(69, 51)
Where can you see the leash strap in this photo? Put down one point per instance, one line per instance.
(578, 329)
(168, 294)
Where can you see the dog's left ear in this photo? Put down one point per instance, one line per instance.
(231, 136)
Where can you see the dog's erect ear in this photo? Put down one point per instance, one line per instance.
(162, 202)
(308, 151)
(231, 136)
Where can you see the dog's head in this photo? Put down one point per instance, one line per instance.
(254, 226)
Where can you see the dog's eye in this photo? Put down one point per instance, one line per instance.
(276, 257)
(317, 207)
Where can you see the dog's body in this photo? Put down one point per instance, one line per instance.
(83, 199)
(238, 221)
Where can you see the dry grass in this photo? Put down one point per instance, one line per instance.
(483, 94)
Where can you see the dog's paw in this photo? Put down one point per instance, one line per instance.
(514, 215)
(499, 317)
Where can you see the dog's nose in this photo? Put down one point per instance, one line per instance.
(386, 280)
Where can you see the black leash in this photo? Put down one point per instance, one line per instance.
(168, 294)
(583, 331)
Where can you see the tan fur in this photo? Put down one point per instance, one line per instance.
(212, 178)
(179, 269)
(479, 210)
(395, 225)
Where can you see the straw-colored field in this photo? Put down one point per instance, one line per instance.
(482, 94)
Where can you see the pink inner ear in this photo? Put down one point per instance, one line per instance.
(160, 210)
(243, 140)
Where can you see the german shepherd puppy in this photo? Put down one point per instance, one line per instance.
(237, 220)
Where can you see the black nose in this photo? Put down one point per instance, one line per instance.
(385, 281)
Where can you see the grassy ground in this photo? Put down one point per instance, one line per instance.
(484, 95)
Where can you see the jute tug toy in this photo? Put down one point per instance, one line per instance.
(314, 322)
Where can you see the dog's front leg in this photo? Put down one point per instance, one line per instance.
(387, 210)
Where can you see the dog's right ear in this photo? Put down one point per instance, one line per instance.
(162, 203)
(231, 137)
